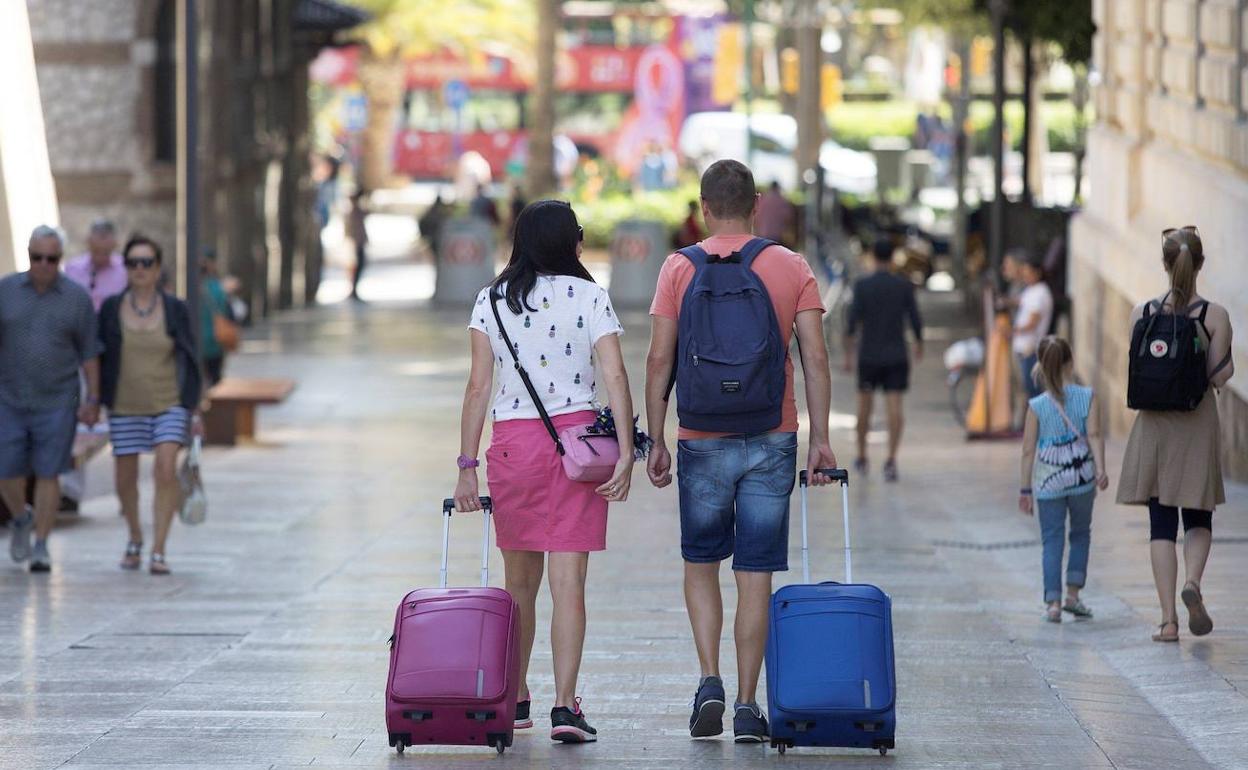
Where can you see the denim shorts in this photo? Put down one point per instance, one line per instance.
(36, 442)
(734, 499)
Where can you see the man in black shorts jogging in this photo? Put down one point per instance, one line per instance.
(883, 303)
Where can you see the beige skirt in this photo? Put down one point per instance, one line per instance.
(1174, 456)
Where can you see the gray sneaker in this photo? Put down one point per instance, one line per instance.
(40, 561)
(19, 536)
(749, 725)
(708, 708)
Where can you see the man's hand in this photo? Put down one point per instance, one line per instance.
(659, 465)
(820, 456)
(1025, 504)
(89, 414)
(918, 350)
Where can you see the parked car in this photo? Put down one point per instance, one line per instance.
(708, 136)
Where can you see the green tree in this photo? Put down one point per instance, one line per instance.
(402, 28)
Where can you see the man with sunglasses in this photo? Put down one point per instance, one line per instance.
(47, 332)
(99, 270)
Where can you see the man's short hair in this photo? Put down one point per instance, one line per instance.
(103, 226)
(728, 190)
(883, 249)
(47, 231)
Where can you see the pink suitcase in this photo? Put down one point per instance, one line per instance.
(454, 660)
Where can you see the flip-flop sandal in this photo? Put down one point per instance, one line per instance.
(133, 558)
(1162, 636)
(1053, 614)
(1080, 610)
(1198, 620)
(158, 565)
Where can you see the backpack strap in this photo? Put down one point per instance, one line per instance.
(750, 251)
(1225, 361)
(698, 256)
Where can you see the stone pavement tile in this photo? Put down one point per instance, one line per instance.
(267, 646)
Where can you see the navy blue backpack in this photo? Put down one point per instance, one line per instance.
(730, 355)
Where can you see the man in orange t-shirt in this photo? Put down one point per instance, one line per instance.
(735, 488)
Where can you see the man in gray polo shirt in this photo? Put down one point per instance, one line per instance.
(47, 331)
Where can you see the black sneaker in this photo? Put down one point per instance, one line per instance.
(890, 470)
(568, 725)
(708, 708)
(523, 720)
(748, 724)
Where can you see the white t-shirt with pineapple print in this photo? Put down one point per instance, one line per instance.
(555, 344)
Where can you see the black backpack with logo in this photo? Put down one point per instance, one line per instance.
(1168, 369)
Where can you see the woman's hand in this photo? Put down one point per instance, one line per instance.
(1102, 482)
(467, 497)
(197, 425)
(616, 490)
(1025, 504)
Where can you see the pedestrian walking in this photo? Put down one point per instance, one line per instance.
(430, 224)
(218, 331)
(690, 231)
(1172, 460)
(737, 444)
(883, 305)
(99, 269)
(545, 323)
(1031, 320)
(150, 382)
(1063, 466)
(358, 234)
(482, 207)
(776, 216)
(47, 334)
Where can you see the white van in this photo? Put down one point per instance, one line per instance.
(708, 136)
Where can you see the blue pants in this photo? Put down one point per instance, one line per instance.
(1027, 364)
(1052, 515)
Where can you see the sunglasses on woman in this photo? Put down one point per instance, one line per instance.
(1185, 228)
(147, 263)
(580, 233)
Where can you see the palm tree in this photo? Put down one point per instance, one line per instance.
(540, 171)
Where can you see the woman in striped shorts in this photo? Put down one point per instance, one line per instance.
(150, 382)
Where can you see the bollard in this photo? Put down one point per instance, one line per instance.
(638, 250)
(892, 172)
(465, 260)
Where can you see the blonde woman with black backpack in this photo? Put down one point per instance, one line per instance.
(1172, 461)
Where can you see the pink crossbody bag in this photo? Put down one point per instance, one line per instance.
(587, 456)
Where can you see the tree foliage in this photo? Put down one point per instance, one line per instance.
(413, 27)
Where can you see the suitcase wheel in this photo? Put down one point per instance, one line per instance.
(399, 746)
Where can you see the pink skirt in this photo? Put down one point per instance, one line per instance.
(536, 506)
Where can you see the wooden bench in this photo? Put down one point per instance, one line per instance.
(231, 413)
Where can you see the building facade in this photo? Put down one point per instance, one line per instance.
(1170, 148)
(107, 81)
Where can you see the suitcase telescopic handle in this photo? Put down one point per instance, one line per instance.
(837, 475)
(448, 507)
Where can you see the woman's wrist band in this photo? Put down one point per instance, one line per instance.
(1025, 491)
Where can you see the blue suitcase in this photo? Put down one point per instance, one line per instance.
(830, 675)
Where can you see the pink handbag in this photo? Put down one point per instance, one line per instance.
(587, 456)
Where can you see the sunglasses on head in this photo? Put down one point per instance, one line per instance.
(1185, 228)
(51, 259)
(580, 233)
(146, 263)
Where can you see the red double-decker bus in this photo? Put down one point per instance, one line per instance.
(625, 77)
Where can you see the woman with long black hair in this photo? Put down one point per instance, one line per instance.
(560, 325)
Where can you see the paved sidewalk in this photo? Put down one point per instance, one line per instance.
(266, 648)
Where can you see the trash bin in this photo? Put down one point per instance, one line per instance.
(892, 173)
(465, 260)
(922, 164)
(638, 249)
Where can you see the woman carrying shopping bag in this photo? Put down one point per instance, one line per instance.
(150, 382)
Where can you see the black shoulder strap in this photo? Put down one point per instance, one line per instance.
(751, 250)
(524, 375)
(698, 256)
(1225, 362)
